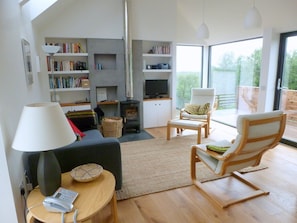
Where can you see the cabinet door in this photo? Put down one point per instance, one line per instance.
(156, 113)
(164, 112)
(149, 119)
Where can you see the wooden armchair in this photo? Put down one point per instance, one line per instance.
(204, 99)
(257, 133)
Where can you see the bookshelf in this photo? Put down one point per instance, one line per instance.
(69, 79)
(153, 60)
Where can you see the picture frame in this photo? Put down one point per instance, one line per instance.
(27, 61)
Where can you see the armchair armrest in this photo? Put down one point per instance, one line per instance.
(180, 113)
(215, 155)
(212, 153)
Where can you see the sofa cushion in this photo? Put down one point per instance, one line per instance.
(92, 136)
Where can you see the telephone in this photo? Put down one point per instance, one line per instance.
(53, 204)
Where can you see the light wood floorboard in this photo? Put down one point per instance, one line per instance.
(189, 205)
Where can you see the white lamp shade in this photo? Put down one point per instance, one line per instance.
(203, 32)
(50, 49)
(42, 127)
(253, 18)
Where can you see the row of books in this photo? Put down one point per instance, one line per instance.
(163, 49)
(67, 65)
(69, 47)
(66, 82)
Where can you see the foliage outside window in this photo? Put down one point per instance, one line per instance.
(235, 74)
(290, 66)
(188, 72)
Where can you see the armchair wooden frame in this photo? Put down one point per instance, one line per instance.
(246, 154)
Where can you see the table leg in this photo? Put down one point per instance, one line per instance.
(199, 135)
(114, 208)
(168, 131)
(206, 130)
(30, 218)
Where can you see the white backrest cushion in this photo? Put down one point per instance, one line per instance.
(252, 148)
(201, 96)
(259, 130)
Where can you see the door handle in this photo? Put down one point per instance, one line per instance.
(279, 85)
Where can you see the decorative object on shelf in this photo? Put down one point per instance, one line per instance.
(203, 32)
(43, 127)
(253, 18)
(27, 61)
(86, 172)
(51, 50)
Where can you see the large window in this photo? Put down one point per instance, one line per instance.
(188, 72)
(286, 89)
(235, 74)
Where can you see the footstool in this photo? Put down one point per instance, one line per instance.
(188, 124)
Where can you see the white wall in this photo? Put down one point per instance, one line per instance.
(225, 19)
(14, 93)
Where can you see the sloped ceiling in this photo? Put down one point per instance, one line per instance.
(55, 9)
(223, 17)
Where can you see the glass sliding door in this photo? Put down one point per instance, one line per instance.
(188, 73)
(286, 84)
(235, 74)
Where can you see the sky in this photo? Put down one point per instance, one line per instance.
(188, 58)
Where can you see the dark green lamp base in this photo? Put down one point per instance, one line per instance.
(48, 173)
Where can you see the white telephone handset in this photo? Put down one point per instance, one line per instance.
(53, 204)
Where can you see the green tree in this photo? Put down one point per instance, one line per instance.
(228, 61)
(290, 71)
(186, 81)
(256, 60)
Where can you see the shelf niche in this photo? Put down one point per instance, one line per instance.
(105, 61)
(106, 98)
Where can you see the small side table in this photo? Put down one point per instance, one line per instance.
(188, 124)
(93, 197)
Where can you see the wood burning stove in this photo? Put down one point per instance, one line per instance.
(130, 114)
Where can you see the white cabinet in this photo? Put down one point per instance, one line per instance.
(156, 113)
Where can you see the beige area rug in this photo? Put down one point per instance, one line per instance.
(156, 165)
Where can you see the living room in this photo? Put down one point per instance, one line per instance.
(174, 21)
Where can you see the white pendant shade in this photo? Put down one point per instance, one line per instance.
(203, 32)
(253, 18)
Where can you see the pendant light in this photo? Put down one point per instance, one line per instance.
(203, 32)
(253, 18)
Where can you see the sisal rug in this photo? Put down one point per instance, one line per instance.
(156, 165)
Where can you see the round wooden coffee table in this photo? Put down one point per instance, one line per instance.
(93, 197)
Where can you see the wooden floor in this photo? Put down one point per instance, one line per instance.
(188, 205)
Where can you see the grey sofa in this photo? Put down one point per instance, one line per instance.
(93, 148)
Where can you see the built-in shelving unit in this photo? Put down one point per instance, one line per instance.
(107, 74)
(69, 80)
(153, 60)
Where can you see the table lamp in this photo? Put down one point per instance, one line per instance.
(44, 127)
